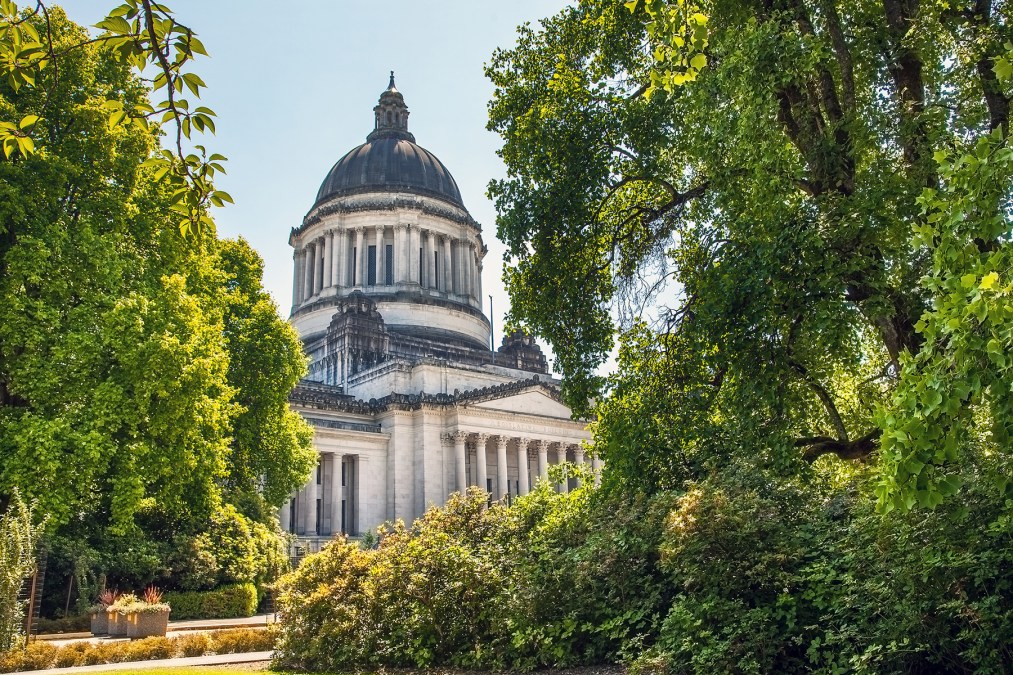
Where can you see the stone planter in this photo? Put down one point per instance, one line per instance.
(117, 623)
(99, 622)
(147, 623)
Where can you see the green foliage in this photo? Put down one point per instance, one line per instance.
(18, 541)
(745, 571)
(427, 595)
(802, 248)
(227, 602)
(152, 370)
(553, 580)
(233, 549)
(145, 37)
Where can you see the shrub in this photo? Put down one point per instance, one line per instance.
(40, 655)
(194, 644)
(223, 603)
(243, 640)
(233, 550)
(428, 594)
(70, 624)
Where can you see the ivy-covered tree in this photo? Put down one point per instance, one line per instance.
(793, 214)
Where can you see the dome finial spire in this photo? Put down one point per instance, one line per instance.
(390, 85)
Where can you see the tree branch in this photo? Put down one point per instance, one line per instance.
(859, 449)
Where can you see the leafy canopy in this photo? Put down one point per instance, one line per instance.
(792, 215)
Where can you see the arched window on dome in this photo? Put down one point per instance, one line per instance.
(389, 117)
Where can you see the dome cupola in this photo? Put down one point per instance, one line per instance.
(390, 160)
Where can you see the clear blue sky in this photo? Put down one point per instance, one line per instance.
(294, 85)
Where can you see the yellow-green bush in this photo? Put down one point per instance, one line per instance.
(39, 655)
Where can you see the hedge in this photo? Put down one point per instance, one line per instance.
(40, 655)
(227, 602)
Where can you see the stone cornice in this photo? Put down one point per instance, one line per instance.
(384, 202)
(314, 395)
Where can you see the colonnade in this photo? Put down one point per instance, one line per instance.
(326, 487)
(529, 453)
(341, 258)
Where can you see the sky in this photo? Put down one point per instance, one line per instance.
(294, 85)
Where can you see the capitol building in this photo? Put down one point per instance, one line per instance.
(408, 401)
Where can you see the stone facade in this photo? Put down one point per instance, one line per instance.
(408, 402)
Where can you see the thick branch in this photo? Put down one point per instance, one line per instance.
(906, 68)
(842, 52)
(860, 449)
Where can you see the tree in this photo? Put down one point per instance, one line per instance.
(124, 408)
(271, 444)
(767, 197)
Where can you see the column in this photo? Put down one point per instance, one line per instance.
(478, 278)
(459, 439)
(596, 467)
(308, 269)
(458, 248)
(339, 235)
(476, 283)
(358, 279)
(336, 458)
(328, 258)
(480, 462)
(283, 515)
(380, 257)
(561, 459)
(318, 267)
(400, 261)
(296, 277)
(448, 269)
(502, 478)
(425, 278)
(310, 512)
(522, 466)
(578, 459)
(543, 460)
(413, 254)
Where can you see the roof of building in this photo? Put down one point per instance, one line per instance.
(390, 160)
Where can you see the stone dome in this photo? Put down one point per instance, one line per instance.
(390, 160)
(387, 164)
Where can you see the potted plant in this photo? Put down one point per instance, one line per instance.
(117, 613)
(99, 612)
(150, 617)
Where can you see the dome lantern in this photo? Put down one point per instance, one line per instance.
(390, 115)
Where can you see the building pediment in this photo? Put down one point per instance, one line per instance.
(533, 401)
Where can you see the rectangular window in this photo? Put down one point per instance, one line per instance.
(343, 526)
(436, 269)
(422, 265)
(320, 510)
(388, 265)
(343, 483)
(371, 266)
(320, 474)
(355, 253)
(292, 513)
